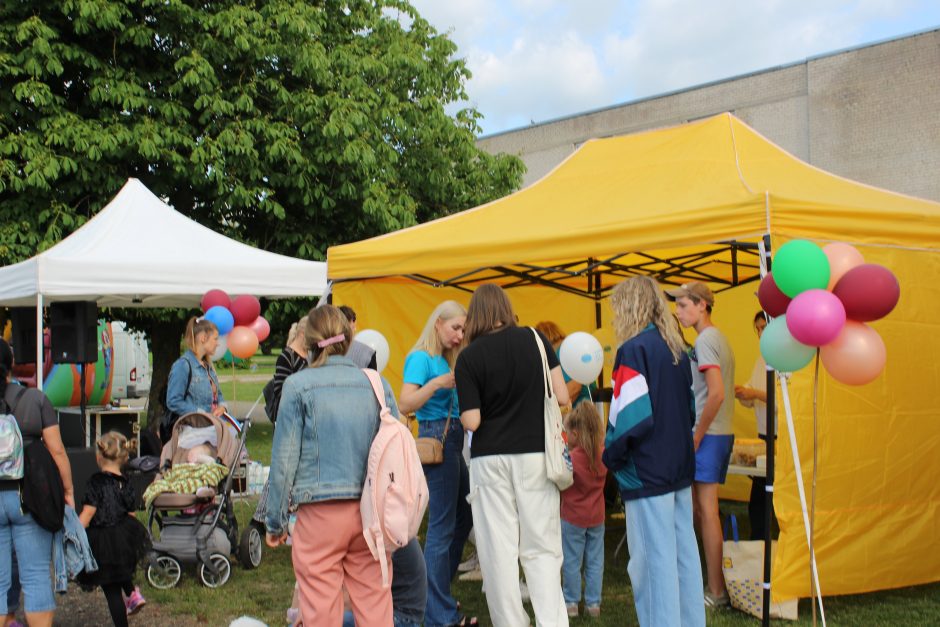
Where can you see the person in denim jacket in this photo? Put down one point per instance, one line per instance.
(193, 384)
(327, 419)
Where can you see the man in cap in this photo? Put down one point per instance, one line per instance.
(713, 383)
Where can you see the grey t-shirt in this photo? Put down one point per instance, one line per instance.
(32, 410)
(712, 350)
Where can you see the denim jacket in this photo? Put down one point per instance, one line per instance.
(327, 419)
(70, 551)
(198, 396)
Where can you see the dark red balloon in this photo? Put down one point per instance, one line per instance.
(772, 300)
(245, 309)
(868, 292)
(214, 298)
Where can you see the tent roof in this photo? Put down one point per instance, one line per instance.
(687, 202)
(140, 252)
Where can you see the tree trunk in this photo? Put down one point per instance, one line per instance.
(165, 338)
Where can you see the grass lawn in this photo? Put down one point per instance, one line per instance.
(265, 593)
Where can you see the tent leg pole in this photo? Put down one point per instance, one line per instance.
(771, 435)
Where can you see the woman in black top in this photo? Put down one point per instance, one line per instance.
(292, 359)
(515, 507)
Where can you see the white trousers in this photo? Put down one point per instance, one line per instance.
(516, 518)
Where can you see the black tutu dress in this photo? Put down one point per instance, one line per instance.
(117, 540)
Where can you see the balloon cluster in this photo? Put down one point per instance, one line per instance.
(239, 321)
(581, 357)
(822, 298)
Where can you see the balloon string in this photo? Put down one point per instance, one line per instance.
(234, 382)
(812, 506)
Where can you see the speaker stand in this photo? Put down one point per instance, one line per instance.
(83, 402)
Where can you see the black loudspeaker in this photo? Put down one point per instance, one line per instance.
(84, 465)
(23, 337)
(73, 327)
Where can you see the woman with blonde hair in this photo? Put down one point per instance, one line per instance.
(327, 420)
(649, 450)
(193, 384)
(516, 515)
(428, 389)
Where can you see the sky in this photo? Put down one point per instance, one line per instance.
(537, 60)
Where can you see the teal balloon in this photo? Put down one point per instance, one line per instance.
(780, 350)
(800, 265)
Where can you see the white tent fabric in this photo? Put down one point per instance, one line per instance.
(140, 252)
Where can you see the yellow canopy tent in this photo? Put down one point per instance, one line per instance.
(691, 202)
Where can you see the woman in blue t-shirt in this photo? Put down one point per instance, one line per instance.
(428, 390)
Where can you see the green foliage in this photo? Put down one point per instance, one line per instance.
(291, 125)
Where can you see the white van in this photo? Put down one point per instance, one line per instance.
(131, 378)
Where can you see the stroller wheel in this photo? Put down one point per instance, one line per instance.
(215, 580)
(164, 572)
(249, 548)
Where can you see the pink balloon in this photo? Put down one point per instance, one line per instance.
(868, 292)
(815, 317)
(857, 356)
(214, 298)
(772, 300)
(842, 258)
(245, 309)
(242, 342)
(261, 328)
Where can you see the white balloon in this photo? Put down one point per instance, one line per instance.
(221, 348)
(377, 342)
(582, 357)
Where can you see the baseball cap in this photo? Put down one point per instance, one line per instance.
(694, 290)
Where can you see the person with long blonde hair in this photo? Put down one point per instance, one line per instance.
(428, 390)
(649, 450)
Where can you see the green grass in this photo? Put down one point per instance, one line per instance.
(265, 593)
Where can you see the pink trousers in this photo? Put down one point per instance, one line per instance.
(329, 552)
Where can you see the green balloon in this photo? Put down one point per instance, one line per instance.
(800, 265)
(780, 350)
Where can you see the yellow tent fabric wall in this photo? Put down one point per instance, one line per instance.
(678, 203)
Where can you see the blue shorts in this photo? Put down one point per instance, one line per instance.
(712, 458)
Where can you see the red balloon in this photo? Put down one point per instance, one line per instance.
(261, 328)
(242, 342)
(868, 291)
(245, 309)
(772, 300)
(214, 298)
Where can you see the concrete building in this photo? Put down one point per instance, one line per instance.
(871, 114)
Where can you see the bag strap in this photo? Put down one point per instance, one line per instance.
(731, 521)
(376, 382)
(546, 376)
(12, 410)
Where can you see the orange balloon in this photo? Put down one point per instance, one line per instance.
(842, 258)
(242, 342)
(857, 355)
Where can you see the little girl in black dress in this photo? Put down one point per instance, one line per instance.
(116, 538)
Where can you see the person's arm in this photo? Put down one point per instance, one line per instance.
(88, 512)
(558, 385)
(574, 389)
(631, 413)
(468, 395)
(285, 456)
(470, 419)
(177, 388)
(52, 438)
(220, 407)
(716, 396)
(413, 396)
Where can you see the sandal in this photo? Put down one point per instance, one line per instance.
(465, 621)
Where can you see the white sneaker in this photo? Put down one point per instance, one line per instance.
(472, 563)
(471, 575)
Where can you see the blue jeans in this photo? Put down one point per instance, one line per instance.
(449, 521)
(33, 546)
(582, 545)
(664, 567)
(350, 621)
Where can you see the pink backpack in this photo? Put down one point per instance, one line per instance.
(395, 493)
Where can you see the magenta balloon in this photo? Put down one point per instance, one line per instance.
(868, 292)
(245, 309)
(215, 298)
(815, 317)
(261, 328)
(857, 356)
(772, 300)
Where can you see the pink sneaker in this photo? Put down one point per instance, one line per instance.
(135, 602)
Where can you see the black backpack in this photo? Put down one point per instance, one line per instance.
(43, 492)
(170, 417)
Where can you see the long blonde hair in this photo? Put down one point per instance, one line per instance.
(639, 301)
(430, 341)
(585, 420)
(324, 323)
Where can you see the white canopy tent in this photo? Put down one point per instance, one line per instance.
(140, 252)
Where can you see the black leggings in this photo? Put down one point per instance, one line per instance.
(112, 594)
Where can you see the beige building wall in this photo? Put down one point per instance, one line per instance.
(871, 114)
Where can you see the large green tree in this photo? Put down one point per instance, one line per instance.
(290, 125)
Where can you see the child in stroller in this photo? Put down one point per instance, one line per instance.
(190, 513)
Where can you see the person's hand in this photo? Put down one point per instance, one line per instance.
(445, 381)
(70, 498)
(275, 541)
(218, 410)
(697, 439)
(743, 393)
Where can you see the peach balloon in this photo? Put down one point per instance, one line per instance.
(842, 258)
(242, 342)
(857, 355)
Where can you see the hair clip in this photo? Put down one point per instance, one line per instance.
(331, 340)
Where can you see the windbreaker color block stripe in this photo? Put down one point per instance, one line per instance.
(631, 413)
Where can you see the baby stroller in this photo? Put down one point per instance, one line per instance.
(196, 528)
